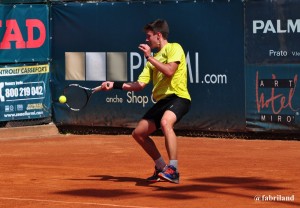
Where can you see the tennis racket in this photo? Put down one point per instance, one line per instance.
(78, 96)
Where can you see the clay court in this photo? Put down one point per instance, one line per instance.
(54, 170)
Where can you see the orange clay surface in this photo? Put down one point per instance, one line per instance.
(100, 171)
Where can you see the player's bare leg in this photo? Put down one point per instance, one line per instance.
(141, 135)
(170, 172)
(167, 123)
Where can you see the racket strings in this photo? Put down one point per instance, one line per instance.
(77, 97)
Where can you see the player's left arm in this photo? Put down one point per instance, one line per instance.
(167, 69)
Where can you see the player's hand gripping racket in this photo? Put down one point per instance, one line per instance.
(78, 96)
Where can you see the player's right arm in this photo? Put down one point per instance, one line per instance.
(134, 86)
(140, 84)
(128, 86)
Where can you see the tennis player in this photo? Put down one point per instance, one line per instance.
(168, 71)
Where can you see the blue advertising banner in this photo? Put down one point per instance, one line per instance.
(24, 92)
(272, 32)
(24, 33)
(273, 97)
(94, 42)
(272, 66)
(21, 1)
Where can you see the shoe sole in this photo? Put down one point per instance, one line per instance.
(162, 176)
(154, 180)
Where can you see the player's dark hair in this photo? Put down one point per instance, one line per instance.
(158, 25)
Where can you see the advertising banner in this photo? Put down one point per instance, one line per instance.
(21, 1)
(24, 92)
(94, 42)
(272, 54)
(273, 97)
(24, 33)
(272, 31)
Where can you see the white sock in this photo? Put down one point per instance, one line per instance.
(160, 163)
(174, 163)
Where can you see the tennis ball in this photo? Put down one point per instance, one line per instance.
(62, 99)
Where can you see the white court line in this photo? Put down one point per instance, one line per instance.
(66, 202)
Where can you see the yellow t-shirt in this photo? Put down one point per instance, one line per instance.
(162, 85)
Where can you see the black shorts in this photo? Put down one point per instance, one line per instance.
(179, 106)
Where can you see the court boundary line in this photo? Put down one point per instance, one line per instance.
(70, 202)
